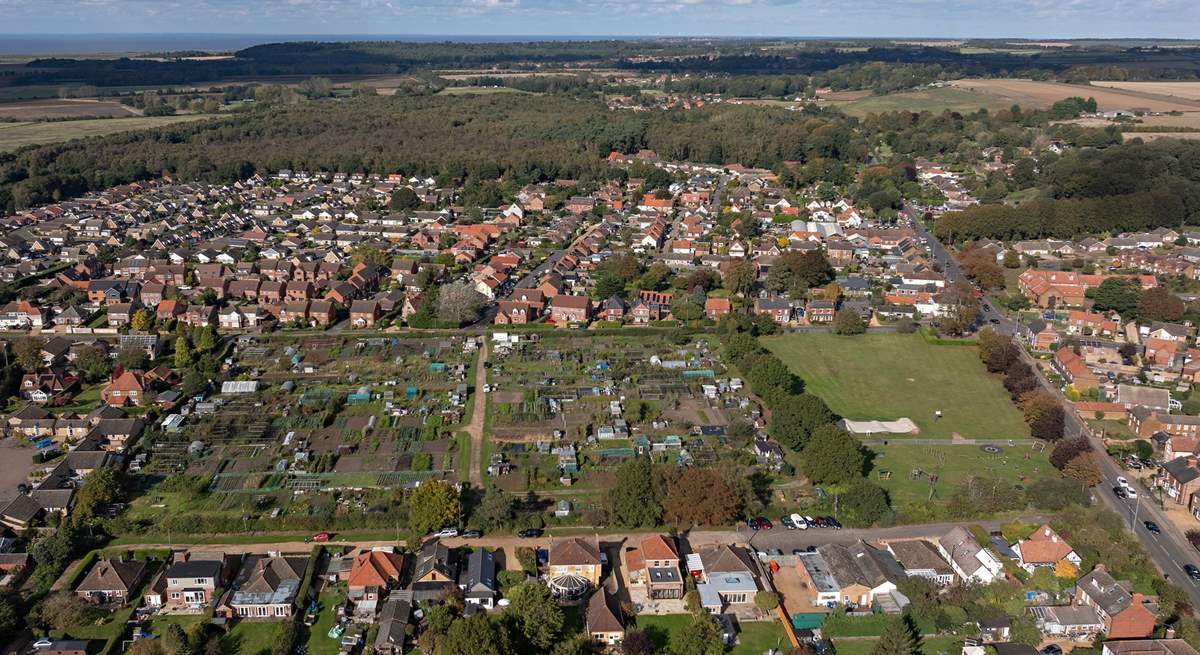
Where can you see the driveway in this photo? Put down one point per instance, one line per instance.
(16, 461)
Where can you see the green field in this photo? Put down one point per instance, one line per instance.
(891, 376)
(933, 100)
(477, 90)
(16, 135)
(952, 464)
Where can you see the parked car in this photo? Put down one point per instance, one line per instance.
(753, 524)
(322, 536)
(447, 532)
(775, 552)
(1052, 649)
(800, 522)
(472, 534)
(833, 523)
(530, 533)
(819, 522)
(764, 523)
(786, 521)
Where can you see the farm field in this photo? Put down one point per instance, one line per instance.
(892, 376)
(933, 100)
(17, 135)
(477, 90)
(31, 110)
(1155, 136)
(1031, 93)
(1185, 90)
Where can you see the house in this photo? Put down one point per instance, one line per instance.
(1122, 610)
(864, 575)
(654, 567)
(574, 567)
(820, 311)
(1147, 647)
(565, 310)
(970, 561)
(126, 388)
(1075, 370)
(1179, 478)
(1044, 548)
(1145, 423)
(111, 581)
(478, 580)
(779, 309)
(364, 313)
(603, 624)
(21, 512)
(1129, 396)
(1071, 621)
(189, 585)
(436, 571)
(920, 559)
(372, 575)
(266, 587)
(727, 576)
(715, 308)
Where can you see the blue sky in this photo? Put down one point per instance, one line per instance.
(902, 18)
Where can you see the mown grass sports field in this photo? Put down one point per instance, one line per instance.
(16, 135)
(891, 376)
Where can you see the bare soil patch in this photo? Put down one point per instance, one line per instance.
(32, 110)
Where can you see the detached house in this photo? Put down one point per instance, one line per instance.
(1122, 610)
(574, 567)
(111, 581)
(372, 575)
(654, 567)
(565, 310)
(1044, 548)
(266, 588)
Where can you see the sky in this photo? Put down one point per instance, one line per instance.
(861, 18)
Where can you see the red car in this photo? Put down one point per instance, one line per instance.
(322, 536)
(764, 523)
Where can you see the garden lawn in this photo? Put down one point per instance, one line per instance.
(892, 376)
(930, 646)
(319, 642)
(249, 638)
(1019, 463)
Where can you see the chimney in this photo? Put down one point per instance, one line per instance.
(1054, 539)
(1047, 531)
(1137, 601)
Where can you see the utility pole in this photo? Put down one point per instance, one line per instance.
(1133, 519)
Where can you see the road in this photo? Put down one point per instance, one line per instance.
(788, 540)
(478, 414)
(1169, 549)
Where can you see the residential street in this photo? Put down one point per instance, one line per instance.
(1169, 550)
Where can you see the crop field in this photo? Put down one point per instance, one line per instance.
(1154, 136)
(1185, 90)
(32, 110)
(17, 135)
(1031, 93)
(477, 90)
(933, 100)
(892, 376)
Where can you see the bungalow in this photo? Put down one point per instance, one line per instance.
(1044, 548)
(111, 581)
(478, 580)
(266, 588)
(863, 574)
(727, 576)
(920, 559)
(436, 571)
(970, 561)
(603, 624)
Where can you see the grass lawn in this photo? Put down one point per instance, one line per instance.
(1113, 429)
(319, 642)
(953, 464)
(247, 638)
(84, 402)
(892, 376)
(16, 135)
(931, 646)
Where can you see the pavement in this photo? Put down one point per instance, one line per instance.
(1169, 550)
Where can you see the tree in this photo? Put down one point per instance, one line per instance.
(899, 637)
(1012, 259)
(960, 308)
(10, 619)
(459, 303)
(740, 276)
(1084, 469)
(1068, 449)
(316, 87)
(183, 353)
(685, 308)
(702, 637)
(142, 320)
(764, 325)
(637, 642)
(1049, 425)
(495, 511)
(64, 611)
(205, 338)
(1036, 403)
(1159, 304)
(635, 498)
(28, 353)
(766, 600)
(848, 322)
(133, 358)
(537, 617)
(94, 363)
(864, 504)
(795, 417)
(403, 198)
(103, 486)
(432, 506)
(699, 496)
(474, 635)
(833, 456)
(1120, 294)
